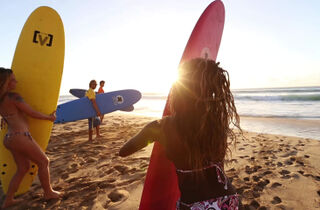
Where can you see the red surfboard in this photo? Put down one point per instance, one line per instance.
(161, 190)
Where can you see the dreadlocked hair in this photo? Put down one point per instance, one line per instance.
(203, 108)
(4, 75)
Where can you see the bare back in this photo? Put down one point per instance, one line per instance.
(192, 190)
(172, 143)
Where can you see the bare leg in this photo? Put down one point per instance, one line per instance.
(98, 131)
(31, 150)
(39, 157)
(90, 134)
(22, 168)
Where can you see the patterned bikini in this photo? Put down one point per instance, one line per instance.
(17, 133)
(20, 133)
(227, 202)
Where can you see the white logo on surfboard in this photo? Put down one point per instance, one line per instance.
(117, 99)
(205, 53)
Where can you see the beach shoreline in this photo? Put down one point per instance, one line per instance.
(268, 170)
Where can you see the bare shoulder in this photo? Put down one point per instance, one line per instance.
(166, 121)
(154, 125)
(161, 123)
(15, 97)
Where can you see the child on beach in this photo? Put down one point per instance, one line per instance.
(94, 122)
(195, 136)
(19, 141)
(100, 90)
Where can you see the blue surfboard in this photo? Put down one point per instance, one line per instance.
(107, 102)
(80, 93)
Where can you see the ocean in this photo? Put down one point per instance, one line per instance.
(291, 111)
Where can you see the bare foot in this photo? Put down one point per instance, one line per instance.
(7, 204)
(99, 136)
(52, 195)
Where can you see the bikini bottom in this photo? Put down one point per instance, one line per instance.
(19, 133)
(228, 202)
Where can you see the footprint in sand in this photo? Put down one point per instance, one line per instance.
(266, 173)
(246, 179)
(263, 183)
(301, 163)
(254, 204)
(289, 154)
(293, 158)
(288, 162)
(103, 165)
(104, 185)
(256, 178)
(121, 169)
(276, 200)
(284, 172)
(65, 176)
(296, 176)
(276, 184)
(67, 128)
(279, 164)
(118, 195)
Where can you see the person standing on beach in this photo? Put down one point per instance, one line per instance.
(18, 139)
(195, 136)
(100, 90)
(94, 122)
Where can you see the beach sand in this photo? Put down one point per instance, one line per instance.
(268, 171)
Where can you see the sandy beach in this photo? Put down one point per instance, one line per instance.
(268, 171)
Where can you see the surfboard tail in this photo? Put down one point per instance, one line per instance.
(160, 183)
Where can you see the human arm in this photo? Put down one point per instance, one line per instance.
(92, 97)
(96, 108)
(27, 109)
(147, 135)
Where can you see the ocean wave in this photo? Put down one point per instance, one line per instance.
(278, 90)
(308, 97)
(154, 97)
(280, 116)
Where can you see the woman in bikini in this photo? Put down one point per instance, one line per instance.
(195, 136)
(18, 139)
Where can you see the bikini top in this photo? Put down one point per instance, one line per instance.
(8, 116)
(219, 170)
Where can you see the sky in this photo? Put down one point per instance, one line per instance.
(138, 44)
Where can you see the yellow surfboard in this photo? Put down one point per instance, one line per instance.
(37, 65)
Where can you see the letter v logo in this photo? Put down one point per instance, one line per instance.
(42, 38)
(42, 41)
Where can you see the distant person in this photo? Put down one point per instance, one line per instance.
(101, 87)
(18, 139)
(94, 122)
(195, 136)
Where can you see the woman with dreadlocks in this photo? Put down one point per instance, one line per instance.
(19, 141)
(195, 136)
